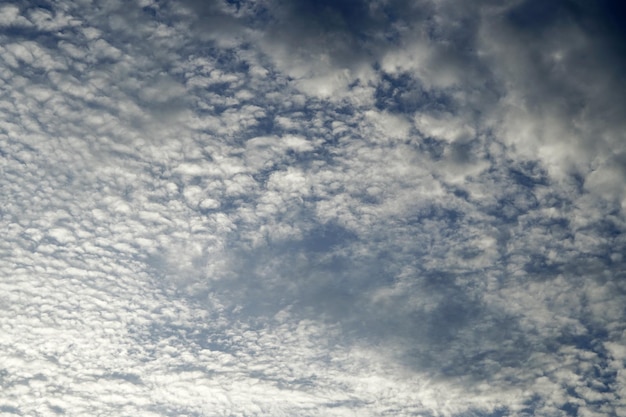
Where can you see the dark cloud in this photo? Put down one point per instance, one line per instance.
(215, 17)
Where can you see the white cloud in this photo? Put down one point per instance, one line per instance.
(200, 223)
(10, 16)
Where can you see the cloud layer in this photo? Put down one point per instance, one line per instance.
(312, 208)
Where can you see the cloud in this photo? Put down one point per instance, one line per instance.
(259, 208)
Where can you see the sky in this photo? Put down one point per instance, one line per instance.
(312, 208)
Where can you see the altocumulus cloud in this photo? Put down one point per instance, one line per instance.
(312, 208)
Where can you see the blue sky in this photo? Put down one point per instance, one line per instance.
(312, 208)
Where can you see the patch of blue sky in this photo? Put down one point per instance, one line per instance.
(404, 93)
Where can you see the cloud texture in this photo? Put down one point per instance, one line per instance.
(255, 208)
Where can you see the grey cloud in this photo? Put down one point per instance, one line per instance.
(453, 47)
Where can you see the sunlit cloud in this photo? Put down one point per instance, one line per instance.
(312, 209)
